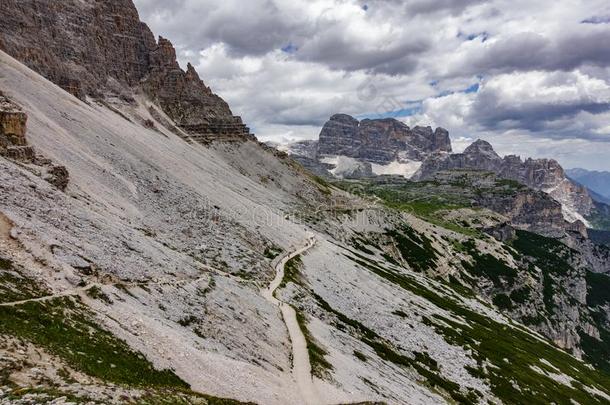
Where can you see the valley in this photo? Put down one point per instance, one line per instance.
(154, 251)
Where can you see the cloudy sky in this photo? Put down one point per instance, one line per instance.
(532, 77)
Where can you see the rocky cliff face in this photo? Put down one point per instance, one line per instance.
(14, 145)
(540, 174)
(101, 49)
(380, 141)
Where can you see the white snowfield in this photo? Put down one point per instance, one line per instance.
(347, 165)
(184, 227)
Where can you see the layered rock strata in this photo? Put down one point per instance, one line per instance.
(101, 49)
(14, 145)
(540, 174)
(380, 141)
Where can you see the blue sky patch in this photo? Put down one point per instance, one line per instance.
(290, 48)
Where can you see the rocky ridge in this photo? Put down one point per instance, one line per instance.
(540, 174)
(380, 141)
(101, 50)
(159, 250)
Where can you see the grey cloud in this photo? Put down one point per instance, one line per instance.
(259, 26)
(433, 6)
(531, 51)
(339, 53)
(401, 46)
(247, 28)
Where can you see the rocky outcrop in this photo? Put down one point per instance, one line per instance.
(380, 141)
(14, 145)
(540, 174)
(101, 49)
(526, 208)
(187, 100)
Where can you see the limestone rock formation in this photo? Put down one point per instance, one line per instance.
(380, 141)
(187, 100)
(14, 145)
(101, 49)
(540, 174)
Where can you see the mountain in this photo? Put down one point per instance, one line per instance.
(147, 260)
(597, 181)
(540, 174)
(346, 147)
(380, 141)
(101, 49)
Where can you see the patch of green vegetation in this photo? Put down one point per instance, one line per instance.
(532, 320)
(503, 302)
(459, 288)
(488, 266)
(511, 351)
(320, 367)
(422, 363)
(157, 396)
(45, 395)
(360, 356)
(244, 275)
(425, 199)
(597, 351)
(172, 398)
(521, 295)
(510, 184)
(272, 252)
(125, 289)
(322, 184)
(6, 264)
(598, 289)
(416, 249)
(15, 287)
(96, 293)
(361, 244)
(187, 320)
(64, 327)
(400, 313)
(292, 272)
(550, 255)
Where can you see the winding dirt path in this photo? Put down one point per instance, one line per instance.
(301, 368)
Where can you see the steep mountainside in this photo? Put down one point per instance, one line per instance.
(102, 50)
(164, 270)
(539, 174)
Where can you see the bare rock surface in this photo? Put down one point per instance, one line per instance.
(101, 49)
(540, 174)
(380, 140)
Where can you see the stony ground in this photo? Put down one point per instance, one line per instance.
(158, 251)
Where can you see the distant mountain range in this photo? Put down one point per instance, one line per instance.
(597, 181)
(352, 149)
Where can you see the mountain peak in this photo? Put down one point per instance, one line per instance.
(380, 141)
(481, 147)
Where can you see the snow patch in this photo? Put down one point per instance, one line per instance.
(405, 169)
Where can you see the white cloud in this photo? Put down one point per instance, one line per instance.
(543, 73)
